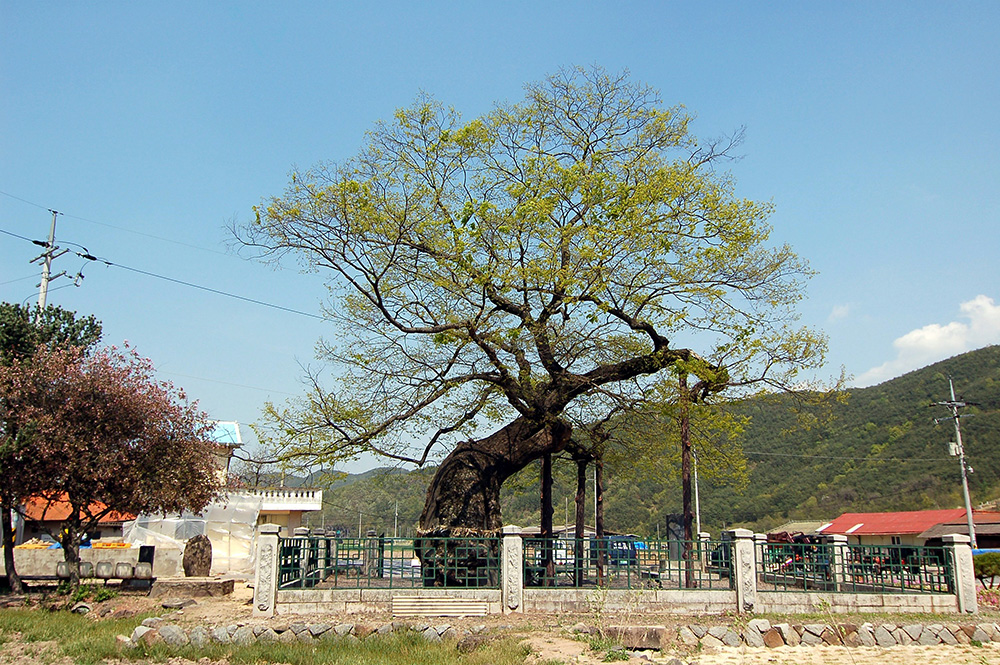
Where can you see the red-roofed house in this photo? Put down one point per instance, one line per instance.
(43, 516)
(902, 528)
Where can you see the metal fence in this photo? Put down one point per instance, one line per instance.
(626, 563)
(310, 562)
(794, 567)
(897, 569)
(853, 568)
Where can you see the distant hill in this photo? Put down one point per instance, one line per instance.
(880, 451)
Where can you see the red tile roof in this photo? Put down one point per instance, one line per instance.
(39, 509)
(903, 523)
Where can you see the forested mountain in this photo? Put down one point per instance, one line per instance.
(882, 451)
(878, 449)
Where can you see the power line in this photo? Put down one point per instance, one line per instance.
(841, 457)
(31, 203)
(35, 295)
(19, 279)
(33, 242)
(228, 383)
(119, 228)
(203, 288)
(90, 257)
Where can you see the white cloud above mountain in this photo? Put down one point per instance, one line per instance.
(934, 342)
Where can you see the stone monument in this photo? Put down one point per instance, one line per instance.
(197, 559)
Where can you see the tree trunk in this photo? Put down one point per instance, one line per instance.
(581, 505)
(599, 517)
(71, 550)
(464, 498)
(7, 526)
(685, 427)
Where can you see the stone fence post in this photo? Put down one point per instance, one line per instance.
(322, 555)
(704, 549)
(744, 569)
(265, 578)
(839, 576)
(511, 570)
(960, 550)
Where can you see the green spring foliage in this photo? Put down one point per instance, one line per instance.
(876, 450)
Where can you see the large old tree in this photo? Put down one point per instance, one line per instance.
(495, 281)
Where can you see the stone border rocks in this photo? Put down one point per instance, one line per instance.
(761, 633)
(155, 630)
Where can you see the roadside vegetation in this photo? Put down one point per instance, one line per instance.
(52, 635)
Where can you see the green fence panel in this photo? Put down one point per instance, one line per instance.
(618, 562)
(388, 563)
(846, 568)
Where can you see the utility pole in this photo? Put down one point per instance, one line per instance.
(956, 449)
(46, 258)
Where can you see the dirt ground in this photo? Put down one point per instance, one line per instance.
(546, 648)
(548, 637)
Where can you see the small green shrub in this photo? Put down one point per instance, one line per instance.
(616, 654)
(987, 567)
(105, 593)
(82, 593)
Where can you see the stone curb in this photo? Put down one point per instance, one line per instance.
(755, 633)
(156, 630)
(637, 639)
(760, 632)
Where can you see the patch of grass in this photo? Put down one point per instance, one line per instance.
(89, 642)
(398, 649)
(611, 649)
(85, 641)
(616, 654)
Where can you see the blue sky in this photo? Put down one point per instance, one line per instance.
(873, 127)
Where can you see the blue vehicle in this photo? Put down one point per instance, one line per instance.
(619, 550)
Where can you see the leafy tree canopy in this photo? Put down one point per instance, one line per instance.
(24, 329)
(531, 268)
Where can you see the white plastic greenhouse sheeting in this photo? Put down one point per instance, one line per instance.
(230, 525)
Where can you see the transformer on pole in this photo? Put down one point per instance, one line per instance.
(956, 449)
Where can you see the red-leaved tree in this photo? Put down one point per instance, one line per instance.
(102, 433)
(23, 330)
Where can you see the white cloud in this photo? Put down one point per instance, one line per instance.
(934, 342)
(839, 312)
